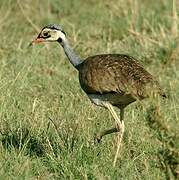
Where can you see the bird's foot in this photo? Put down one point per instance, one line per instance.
(97, 139)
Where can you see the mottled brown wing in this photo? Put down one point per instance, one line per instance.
(115, 73)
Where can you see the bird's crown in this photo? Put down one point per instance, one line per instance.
(54, 26)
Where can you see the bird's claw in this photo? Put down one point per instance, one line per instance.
(97, 139)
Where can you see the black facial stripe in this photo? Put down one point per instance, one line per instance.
(39, 36)
(59, 40)
(63, 32)
(53, 26)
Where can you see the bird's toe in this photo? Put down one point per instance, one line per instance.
(97, 139)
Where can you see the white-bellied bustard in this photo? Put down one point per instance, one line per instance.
(107, 79)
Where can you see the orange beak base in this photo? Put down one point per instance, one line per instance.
(37, 41)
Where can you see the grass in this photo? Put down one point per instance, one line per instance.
(48, 124)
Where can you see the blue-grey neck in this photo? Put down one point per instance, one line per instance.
(74, 59)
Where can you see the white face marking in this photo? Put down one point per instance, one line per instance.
(54, 34)
(61, 35)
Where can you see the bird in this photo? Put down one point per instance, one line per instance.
(109, 80)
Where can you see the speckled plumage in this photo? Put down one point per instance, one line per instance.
(118, 75)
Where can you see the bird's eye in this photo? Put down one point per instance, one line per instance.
(45, 34)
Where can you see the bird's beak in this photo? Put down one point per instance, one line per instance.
(36, 41)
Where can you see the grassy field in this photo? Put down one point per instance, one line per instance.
(47, 123)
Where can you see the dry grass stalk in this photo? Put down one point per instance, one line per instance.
(174, 29)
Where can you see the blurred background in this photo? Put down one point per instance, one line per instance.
(47, 124)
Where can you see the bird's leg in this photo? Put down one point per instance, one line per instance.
(112, 130)
(120, 136)
(119, 126)
(99, 136)
(105, 132)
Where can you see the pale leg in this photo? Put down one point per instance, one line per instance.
(120, 127)
(120, 136)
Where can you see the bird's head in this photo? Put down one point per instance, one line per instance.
(50, 33)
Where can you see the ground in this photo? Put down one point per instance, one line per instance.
(47, 123)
